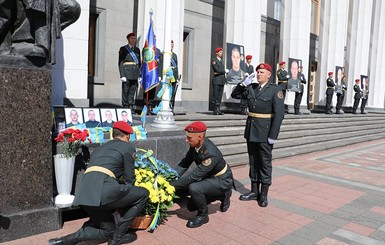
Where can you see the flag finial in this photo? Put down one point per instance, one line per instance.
(151, 12)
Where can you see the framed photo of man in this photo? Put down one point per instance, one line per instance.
(235, 60)
(92, 117)
(339, 78)
(364, 86)
(108, 116)
(124, 115)
(294, 82)
(73, 116)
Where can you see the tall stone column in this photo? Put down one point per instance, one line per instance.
(295, 40)
(377, 56)
(358, 42)
(243, 27)
(332, 41)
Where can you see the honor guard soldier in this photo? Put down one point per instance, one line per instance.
(329, 93)
(219, 80)
(130, 72)
(108, 185)
(210, 180)
(174, 67)
(249, 69)
(298, 95)
(357, 95)
(340, 92)
(266, 112)
(283, 77)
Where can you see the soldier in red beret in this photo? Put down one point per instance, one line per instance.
(329, 93)
(266, 112)
(101, 192)
(283, 77)
(212, 178)
(130, 70)
(218, 81)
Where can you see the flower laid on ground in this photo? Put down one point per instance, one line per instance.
(69, 141)
(155, 175)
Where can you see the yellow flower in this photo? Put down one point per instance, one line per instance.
(161, 180)
(170, 189)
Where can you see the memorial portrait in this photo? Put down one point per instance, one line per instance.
(294, 82)
(364, 86)
(73, 116)
(92, 117)
(234, 63)
(339, 76)
(108, 117)
(124, 115)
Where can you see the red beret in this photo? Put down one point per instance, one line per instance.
(330, 73)
(282, 63)
(263, 66)
(218, 49)
(248, 57)
(123, 126)
(172, 41)
(130, 35)
(196, 127)
(357, 80)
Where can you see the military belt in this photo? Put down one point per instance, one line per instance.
(221, 172)
(284, 81)
(100, 169)
(260, 115)
(331, 87)
(129, 63)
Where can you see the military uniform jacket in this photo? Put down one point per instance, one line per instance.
(249, 69)
(330, 83)
(303, 81)
(129, 70)
(209, 161)
(358, 92)
(98, 188)
(269, 100)
(282, 75)
(174, 67)
(219, 72)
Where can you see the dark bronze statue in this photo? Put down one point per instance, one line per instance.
(29, 29)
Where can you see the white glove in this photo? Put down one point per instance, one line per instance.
(248, 80)
(246, 74)
(271, 141)
(287, 76)
(227, 71)
(123, 79)
(139, 79)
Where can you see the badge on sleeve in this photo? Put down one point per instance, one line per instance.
(280, 95)
(213, 62)
(206, 162)
(134, 155)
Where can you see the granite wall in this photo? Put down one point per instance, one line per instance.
(26, 152)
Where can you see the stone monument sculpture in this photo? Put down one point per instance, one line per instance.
(28, 31)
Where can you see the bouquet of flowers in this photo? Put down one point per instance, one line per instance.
(155, 175)
(69, 141)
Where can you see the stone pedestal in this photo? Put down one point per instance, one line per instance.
(26, 152)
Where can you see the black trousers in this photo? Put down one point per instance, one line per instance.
(217, 95)
(363, 104)
(355, 104)
(204, 192)
(172, 99)
(297, 102)
(329, 98)
(128, 92)
(102, 224)
(260, 158)
(340, 99)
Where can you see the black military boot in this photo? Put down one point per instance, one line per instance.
(262, 202)
(200, 219)
(225, 202)
(253, 194)
(70, 239)
(219, 111)
(121, 236)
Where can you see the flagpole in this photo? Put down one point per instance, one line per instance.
(164, 118)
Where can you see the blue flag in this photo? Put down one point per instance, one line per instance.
(150, 64)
